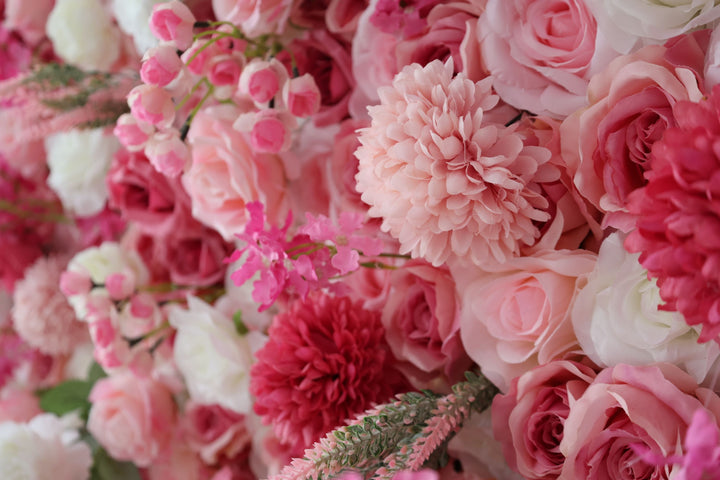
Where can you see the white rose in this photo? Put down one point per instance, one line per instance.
(47, 447)
(212, 357)
(83, 34)
(133, 17)
(629, 23)
(616, 318)
(79, 161)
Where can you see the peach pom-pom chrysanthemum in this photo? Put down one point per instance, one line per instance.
(41, 314)
(444, 179)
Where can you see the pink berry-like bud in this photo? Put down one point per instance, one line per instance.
(132, 134)
(224, 70)
(302, 96)
(119, 286)
(152, 104)
(167, 153)
(161, 65)
(173, 22)
(75, 283)
(270, 131)
(261, 80)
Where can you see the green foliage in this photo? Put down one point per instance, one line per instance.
(107, 468)
(71, 395)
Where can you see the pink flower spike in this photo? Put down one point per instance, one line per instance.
(152, 104)
(131, 133)
(167, 153)
(302, 96)
(345, 260)
(75, 283)
(173, 22)
(161, 65)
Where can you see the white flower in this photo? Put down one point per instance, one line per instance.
(212, 357)
(78, 162)
(47, 447)
(616, 318)
(133, 17)
(107, 259)
(82, 33)
(629, 23)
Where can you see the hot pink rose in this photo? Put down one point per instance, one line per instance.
(607, 145)
(131, 417)
(528, 420)
(226, 174)
(254, 17)
(541, 53)
(519, 316)
(422, 324)
(28, 18)
(215, 432)
(626, 405)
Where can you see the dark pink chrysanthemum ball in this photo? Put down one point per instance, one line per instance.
(324, 362)
(678, 228)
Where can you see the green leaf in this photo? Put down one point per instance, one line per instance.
(240, 327)
(107, 468)
(66, 397)
(95, 373)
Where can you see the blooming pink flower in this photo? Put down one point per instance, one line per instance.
(28, 19)
(173, 22)
(161, 65)
(678, 226)
(225, 69)
(215, 432)
(262, 80)
(131, 133)
(168, 153)
(324, 362)
(41, 314)
(445, 182)
(302, 96)
(152, 104)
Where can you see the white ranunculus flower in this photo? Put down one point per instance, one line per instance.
(212, 357)
(83, 34)
(47, 447)
(616, 318)
(79, 161)
(133, 17)
(628, 23)
(110, 258)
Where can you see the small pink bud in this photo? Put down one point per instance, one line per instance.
(141, 306)
(261, 80)
(270, 130)
(132, 134)
(75, 283)
(119, 286)
(173, 22)
(102, 332)
(152, 104)
(302, 96)
(198, 60)
(167, 153)
(161, 65)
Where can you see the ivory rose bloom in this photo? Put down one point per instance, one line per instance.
(446, 181)
(650, 406)
(607, 145)
(519, 317)
(226, 174)
(131, 417)
(617, 320)
(541, 53)
(628, 24)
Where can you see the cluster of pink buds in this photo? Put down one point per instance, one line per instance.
(201, 63)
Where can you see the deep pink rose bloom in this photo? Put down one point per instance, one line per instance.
(528, 420)
(325, 361)
(607, 145)
(650, 406)
(338, 16)
(678, 226)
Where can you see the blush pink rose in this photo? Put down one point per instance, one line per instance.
(131, 417)
(215, 432)
(518, 317)
(422, 324)
(607, 145)
(649, 406)
(342, 168)
(528, 420)
(226, 174)
(254, 17)
(541, 53)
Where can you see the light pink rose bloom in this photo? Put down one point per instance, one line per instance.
(541, 53)
(518, 317)
(302, 96)
(422, 324)
(173, 22)
(152, 104)
(161, 65)
(226, 174)
(262, 79)
(254, 17)
(607, 145)
(168, 153)
(28, 18)
(131, 417)
(629, 405)
(337, 16)
(215, 432)
(342, 168)
(528, 420)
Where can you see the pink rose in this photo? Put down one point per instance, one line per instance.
(254, 17)
(422, 324)
(194, 256)
(338, 16)
(28, 18)
(607, 145)
(226, 174)
(647, 405)
(131, 417)
(173, 22)
(528, 420)
(215, 432)
(518, 317)
(541, 53)
(161, 65)
(342, 168)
